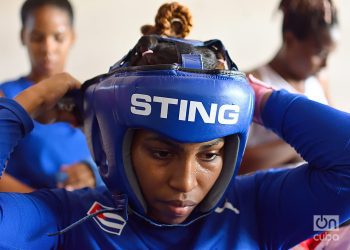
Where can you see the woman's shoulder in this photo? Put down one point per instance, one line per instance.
(12, 87)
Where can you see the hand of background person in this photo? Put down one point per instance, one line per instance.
(76, 176)
(40, 99)
(262, 92)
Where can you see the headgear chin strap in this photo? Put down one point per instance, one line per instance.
(186, 104)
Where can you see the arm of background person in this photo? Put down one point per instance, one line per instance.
(39, 99)
(43, 96)
(15, 122)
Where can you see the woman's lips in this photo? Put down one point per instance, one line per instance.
(48, 64)
(180, 208)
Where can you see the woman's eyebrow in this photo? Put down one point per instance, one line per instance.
(161, 139)
(176, 145)
(213, 143)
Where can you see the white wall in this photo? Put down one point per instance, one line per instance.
(107, 29)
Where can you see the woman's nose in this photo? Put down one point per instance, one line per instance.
(48, 45)
(184, 177)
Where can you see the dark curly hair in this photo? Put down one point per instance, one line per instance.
(31, 5)
(305, 18)
(152, 51)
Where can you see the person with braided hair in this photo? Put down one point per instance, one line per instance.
(309, 34)
(172, 19)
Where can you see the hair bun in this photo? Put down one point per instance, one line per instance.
(172, 19)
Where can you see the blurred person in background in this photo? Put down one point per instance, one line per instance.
(309, 35)
(54, 155)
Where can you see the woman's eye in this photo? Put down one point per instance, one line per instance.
(161, 154)
(59, 38)
(209, 156)
(36, 38)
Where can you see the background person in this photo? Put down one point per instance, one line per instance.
(309, 35)
(47, 33)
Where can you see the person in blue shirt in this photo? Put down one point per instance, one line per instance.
(36, 102)
(54, 155)
(168, 127)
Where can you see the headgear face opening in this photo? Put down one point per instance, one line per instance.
(186, 104)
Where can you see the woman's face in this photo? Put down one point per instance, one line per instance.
(308, 57)
(48, 36)
(174, 177)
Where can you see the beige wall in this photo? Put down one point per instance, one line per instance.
(107, 29)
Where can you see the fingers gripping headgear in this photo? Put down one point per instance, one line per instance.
(181, 101)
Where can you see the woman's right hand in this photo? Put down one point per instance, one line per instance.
(262, 92)
(40, 99)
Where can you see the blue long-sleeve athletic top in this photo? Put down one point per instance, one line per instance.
(38, 158)
(267, 210)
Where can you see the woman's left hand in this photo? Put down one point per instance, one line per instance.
(78, 175)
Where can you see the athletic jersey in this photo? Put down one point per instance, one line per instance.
(40, 155)
(313, 90)
(272, 209)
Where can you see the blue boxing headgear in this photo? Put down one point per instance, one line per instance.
(183, 102)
